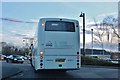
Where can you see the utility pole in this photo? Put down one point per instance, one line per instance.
(83, 15)
(92, 41)
(119, 25)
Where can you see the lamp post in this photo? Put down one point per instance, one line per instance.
(24, 42)
(83, 15)
(92, 41)
(118, 46)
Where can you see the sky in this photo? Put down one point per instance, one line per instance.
(25, 12)
(59, 0)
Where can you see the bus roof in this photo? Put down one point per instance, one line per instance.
(58, 19)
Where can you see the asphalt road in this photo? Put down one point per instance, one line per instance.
(85, 73)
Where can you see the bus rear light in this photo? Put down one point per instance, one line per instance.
(77, 60)
(78, 57)
(41, 53)
(41, 60)
(41, 64)
(43, 23)
(77, 24)
(77, 52)
(41, 57)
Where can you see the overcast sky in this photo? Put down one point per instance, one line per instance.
(33, 11)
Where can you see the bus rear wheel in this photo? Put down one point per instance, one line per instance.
(63, 71)
(60, 71)
(36, 71)
(31, 63)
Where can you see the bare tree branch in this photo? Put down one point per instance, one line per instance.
(113, 23)
(99, 34)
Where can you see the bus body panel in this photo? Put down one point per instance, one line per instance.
(51, 62)
(61, 43)
(56, 45)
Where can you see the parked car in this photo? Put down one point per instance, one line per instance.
(111, 60)
(115, 61)
(2, 57)
(14, 59)
(107, 59)
(25, 58)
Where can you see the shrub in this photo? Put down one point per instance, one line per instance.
(85, 60)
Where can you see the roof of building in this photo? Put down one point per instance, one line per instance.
(95, 52)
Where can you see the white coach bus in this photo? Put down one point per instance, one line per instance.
(56, 45)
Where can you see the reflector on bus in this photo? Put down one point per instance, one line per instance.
(77, 24)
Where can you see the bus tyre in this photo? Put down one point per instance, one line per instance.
(36, 71)
(7, 60)
(31, 64)
(63, 71)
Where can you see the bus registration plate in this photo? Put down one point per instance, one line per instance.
(60, 60)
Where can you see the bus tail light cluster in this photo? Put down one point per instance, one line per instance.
(41, 52)
(41, 61)
(78, 59)
(43, 23)
(41, 57)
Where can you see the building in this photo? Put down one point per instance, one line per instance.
(115, 55)
(101, 54)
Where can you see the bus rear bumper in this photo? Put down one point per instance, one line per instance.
(56, 70)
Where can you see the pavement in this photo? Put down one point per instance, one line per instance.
(95, 66)
(25, 71)
(8, 71)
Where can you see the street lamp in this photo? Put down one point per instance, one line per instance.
(92, 41)
(83, 15)
(24, 41)
(118, 46)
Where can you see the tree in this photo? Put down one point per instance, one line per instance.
(10, 49)
(106, 31)
(6, 49)
(26, 50)
(112, 22)
(99, 35)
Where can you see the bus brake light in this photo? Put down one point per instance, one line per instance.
(77, 24)
(43, 23)
(78, 57)
(41, 57)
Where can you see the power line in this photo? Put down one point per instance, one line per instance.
(16, 20)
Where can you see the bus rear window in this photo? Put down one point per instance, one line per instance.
(59, 26)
